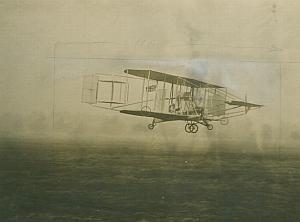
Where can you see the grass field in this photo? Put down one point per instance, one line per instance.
(122, 182)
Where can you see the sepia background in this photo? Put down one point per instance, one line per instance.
(250, 47)
(47, 46)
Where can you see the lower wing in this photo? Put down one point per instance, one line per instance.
(162, 116)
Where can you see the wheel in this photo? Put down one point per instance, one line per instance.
(210, 126)
(191, 128)
(188, 128)
(150, 126)
(194, 128)
(224, 121)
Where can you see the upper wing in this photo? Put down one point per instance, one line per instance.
(162, 116)
(173, 79)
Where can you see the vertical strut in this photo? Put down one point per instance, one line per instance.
(147, 88)
(112, 93)
(143, 92)
(97, 90)
(127, 86)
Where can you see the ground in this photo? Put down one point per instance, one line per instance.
(123, 182)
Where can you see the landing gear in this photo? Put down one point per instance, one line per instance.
(209, 126)
(191, 128)
(194, 128)
(224, 121)
(151, 126)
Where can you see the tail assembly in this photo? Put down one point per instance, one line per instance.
(245, 103)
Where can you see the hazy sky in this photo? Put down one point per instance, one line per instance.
(246, 45)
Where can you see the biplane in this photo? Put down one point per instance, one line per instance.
(164, 98)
